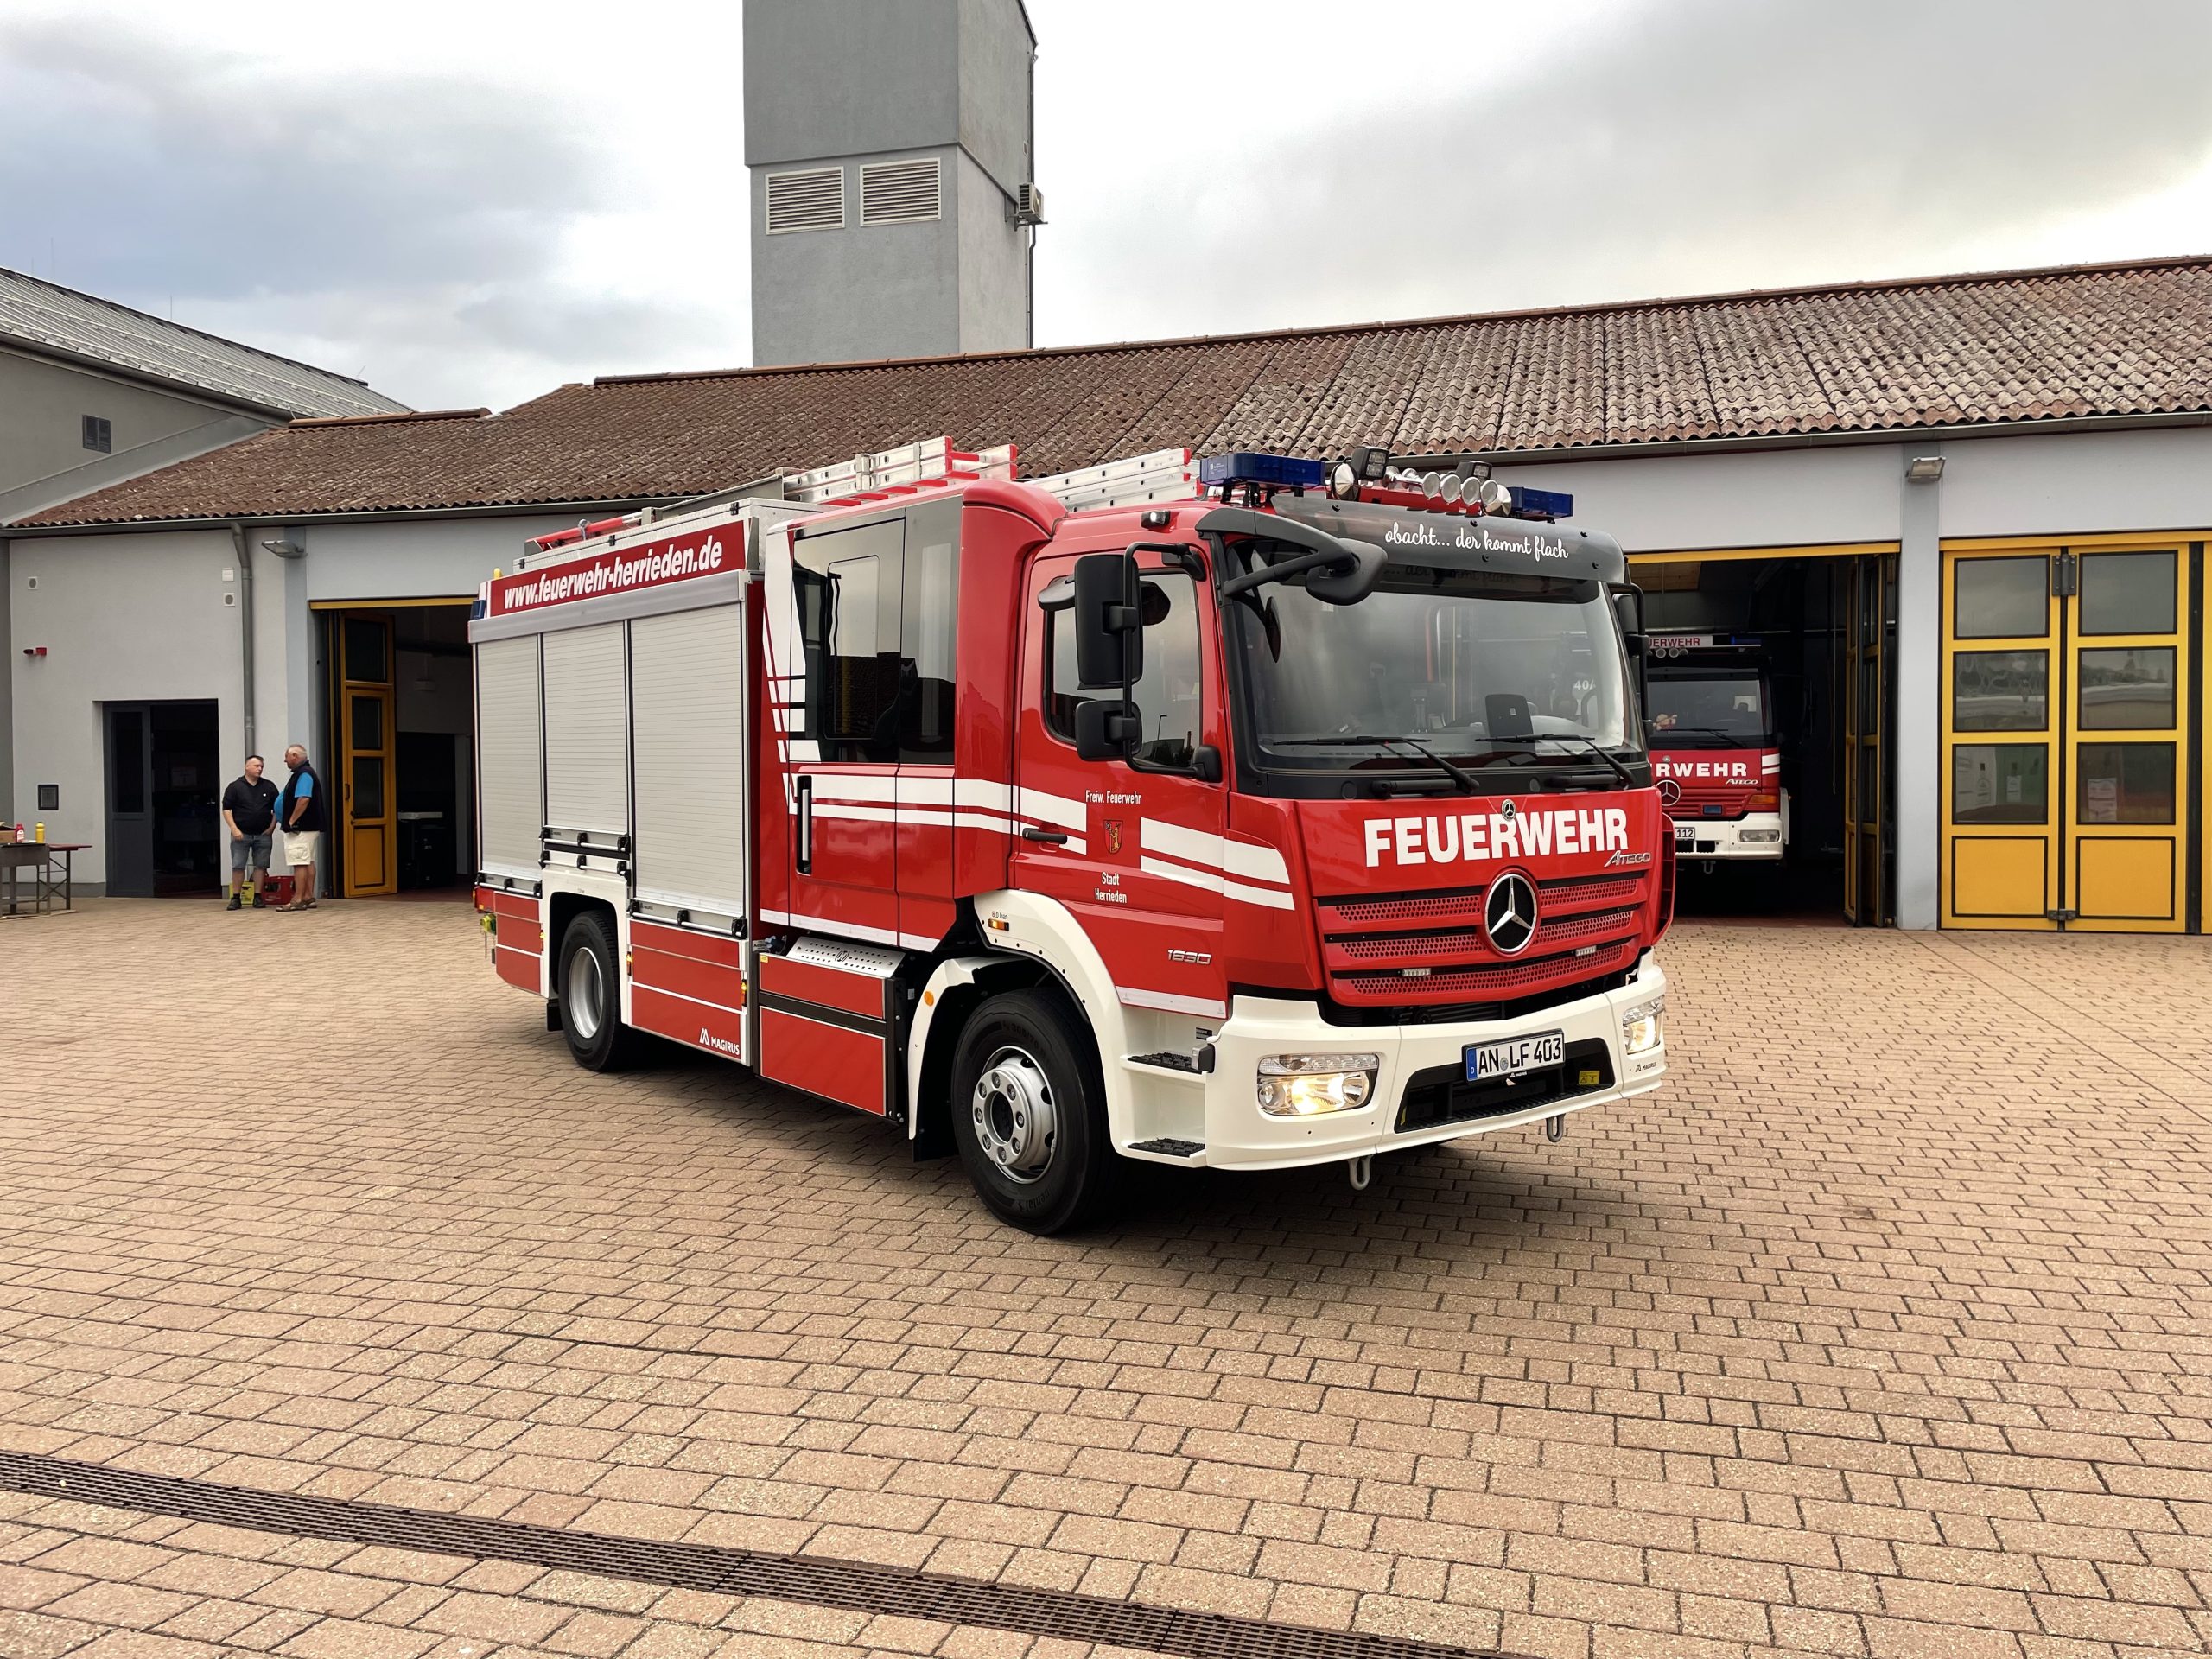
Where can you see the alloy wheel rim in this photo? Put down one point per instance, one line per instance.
(1017, 1121)
(585, 995)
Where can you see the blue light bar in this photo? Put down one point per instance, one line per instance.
(1246, 467)
(1540, 504)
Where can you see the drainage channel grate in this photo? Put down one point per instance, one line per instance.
(856, 1586)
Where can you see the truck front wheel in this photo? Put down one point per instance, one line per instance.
(590, 989)
(1029, 1115)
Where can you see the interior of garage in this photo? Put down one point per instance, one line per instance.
(1818, 626)
(400, 701)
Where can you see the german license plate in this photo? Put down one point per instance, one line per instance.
(1685, 832)
(1515, 1055)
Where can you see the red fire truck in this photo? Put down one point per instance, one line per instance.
(1240, 813)
(1714, 746)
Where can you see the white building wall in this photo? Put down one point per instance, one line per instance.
(140, 614)
(123, 619)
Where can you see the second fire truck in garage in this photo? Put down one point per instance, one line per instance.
(1713, 748)
(1243, 813)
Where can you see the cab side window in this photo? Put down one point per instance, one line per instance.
(1166, 695)
(877, 610)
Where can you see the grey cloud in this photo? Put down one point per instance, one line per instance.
(410, 221)
(206, 175)
(1710, 145)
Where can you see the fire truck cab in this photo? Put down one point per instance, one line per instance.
(1715, 749)
(1244, 813)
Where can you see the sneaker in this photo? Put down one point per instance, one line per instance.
(234, 903)
(259, 903)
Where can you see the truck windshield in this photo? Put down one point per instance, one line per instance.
(1480, 667)
(1709, 708)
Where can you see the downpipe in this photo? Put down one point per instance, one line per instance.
(245, 556)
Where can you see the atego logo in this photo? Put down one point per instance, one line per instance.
(1482, 837)
(616, 571)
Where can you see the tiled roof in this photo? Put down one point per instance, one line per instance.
(2081, 342)
(45, 316)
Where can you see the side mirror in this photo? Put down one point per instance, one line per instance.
(1104, 729)
(1205, 764)
(1108, 623)
(1628, 605)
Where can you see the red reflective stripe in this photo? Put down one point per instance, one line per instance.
(684, 942)
(842, 1066)
(703, 981)
(518, 967)
(860, 993)
(715, 1030)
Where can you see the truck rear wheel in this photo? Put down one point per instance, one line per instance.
(589, 985)
(1029, 1115)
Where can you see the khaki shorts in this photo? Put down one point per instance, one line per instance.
(300, 846)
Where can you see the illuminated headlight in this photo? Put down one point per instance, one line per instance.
(1305, 1086)
(1640, 1026)
(1763, 836)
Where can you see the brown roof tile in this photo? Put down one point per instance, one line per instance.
(2133, 340)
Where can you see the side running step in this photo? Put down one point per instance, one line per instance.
(1167, 1060)
(1167, 1147)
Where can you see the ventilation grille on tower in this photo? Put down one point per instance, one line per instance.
(899, 193)
(812, 200)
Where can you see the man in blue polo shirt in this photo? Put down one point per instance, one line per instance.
(300, 819)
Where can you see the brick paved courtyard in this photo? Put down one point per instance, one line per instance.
(1883, 1330)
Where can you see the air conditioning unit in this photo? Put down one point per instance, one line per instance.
(1029, 205)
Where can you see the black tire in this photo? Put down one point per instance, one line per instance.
(590, 995)
(1033, 1052)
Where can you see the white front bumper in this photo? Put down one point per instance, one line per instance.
(1724, 837)
(1237, 1133)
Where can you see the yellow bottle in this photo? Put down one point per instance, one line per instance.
(41, 831)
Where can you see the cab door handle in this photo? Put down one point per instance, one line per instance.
(1052, 837)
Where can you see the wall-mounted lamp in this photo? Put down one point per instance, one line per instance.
(1923, 469)
(282, 549)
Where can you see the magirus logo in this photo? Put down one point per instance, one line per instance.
(720, 1044)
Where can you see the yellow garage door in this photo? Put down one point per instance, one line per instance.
(2070, 733)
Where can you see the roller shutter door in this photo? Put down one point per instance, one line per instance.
(686, 677)
(587, 742)
(510, 764)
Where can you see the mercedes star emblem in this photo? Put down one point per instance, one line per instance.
(1509, 913)
(1670, 790)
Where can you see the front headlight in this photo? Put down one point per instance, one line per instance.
(1641, 1027)
(1305, 1086)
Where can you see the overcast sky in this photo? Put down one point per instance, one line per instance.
(467, 203)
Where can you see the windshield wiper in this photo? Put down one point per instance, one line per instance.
(1594, 746)
(1458, 774)
(1731, 739)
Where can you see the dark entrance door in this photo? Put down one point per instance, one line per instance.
(164, 793)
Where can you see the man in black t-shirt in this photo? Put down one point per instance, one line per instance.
(249, 810)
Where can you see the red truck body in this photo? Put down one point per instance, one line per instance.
(909, 889)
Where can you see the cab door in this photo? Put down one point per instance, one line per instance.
(846, 584)
(1134, 847)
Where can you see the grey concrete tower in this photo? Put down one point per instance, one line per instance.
(891, 144)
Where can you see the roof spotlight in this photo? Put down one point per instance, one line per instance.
(1432, 484)
(1493, 495)
(1343, 479)
(1372, 461)
(1451, 491)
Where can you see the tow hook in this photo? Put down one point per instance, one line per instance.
(1361, 1171)
(1555, 1127)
